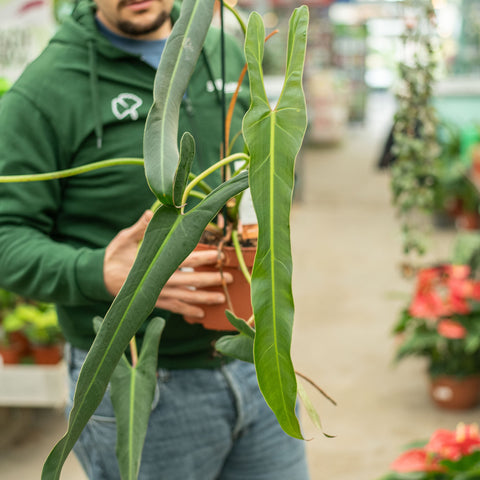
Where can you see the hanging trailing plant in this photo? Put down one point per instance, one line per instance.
(415, 143)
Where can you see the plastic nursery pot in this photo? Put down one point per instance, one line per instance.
(455, 393)
(238, 290)
(47, 354)
(11, 354)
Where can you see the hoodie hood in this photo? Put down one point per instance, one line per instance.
(80, 30)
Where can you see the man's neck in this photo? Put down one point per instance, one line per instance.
(150, 51)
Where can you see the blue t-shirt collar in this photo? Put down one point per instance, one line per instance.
(149, 51)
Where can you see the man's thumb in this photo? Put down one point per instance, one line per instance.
(137, 230)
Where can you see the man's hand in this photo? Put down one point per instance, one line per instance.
(183, 292)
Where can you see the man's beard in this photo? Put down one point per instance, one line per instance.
(133, 30)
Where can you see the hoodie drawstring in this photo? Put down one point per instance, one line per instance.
(210, 74)
(92, 60)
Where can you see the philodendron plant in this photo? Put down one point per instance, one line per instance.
(273, 137)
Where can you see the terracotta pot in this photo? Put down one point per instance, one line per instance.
(238, 290)
(468, 221)
(455, 393)
(11, 354)
(19, 337)
(47, 354)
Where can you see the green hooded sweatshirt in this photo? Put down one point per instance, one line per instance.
(82, 101)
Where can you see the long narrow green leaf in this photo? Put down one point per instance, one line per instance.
(132, 390)
(176, 66)
(187, 155)
(240, 345)
(274, 137)
(310, 409)
(169, 238)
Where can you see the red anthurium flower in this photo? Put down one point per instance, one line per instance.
(458, 271)
(460, 287)
(468, 437)
(416, 460)
(427, 275)
(458, 305)
(427, 305)
(451, 329)
(444, 291)
(427, 302)
(475, 294)
(453, 445)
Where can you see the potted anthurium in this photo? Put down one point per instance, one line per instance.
(447, 455)
(442, 324)
(273, 137)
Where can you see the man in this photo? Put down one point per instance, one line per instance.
(73, 241)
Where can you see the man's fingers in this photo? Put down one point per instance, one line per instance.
(177, 306)
(137, 230)
(202, 257)
(190, 296)
(188, 302)
(199, 279)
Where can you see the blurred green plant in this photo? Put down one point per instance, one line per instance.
(7, 301)
(442, 322)
(38, 321)
(454, 191)
(466, 251)
(415, 130)
(62, 9)
(4, 86)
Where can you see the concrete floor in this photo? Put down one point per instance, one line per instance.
(348, 291)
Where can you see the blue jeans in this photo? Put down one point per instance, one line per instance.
(204, 425)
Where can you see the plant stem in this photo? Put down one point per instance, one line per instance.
(71, 171)
(203, 185)
(231, 108)
(208, 171)
(241, 260)
(237, 16)
(193, 193)
(134, 352)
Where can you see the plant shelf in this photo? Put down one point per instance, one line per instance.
(33, 385)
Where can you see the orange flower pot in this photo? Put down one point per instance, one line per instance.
(11, 354)
(19, 337)
(47, 354)
(455, 393)
(468, 221)
(238, 290)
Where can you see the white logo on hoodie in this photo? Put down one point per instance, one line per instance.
(126, 105)
(230, 87)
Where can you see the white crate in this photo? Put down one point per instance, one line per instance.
(33, 385)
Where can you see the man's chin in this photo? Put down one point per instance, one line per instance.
(138, 28)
